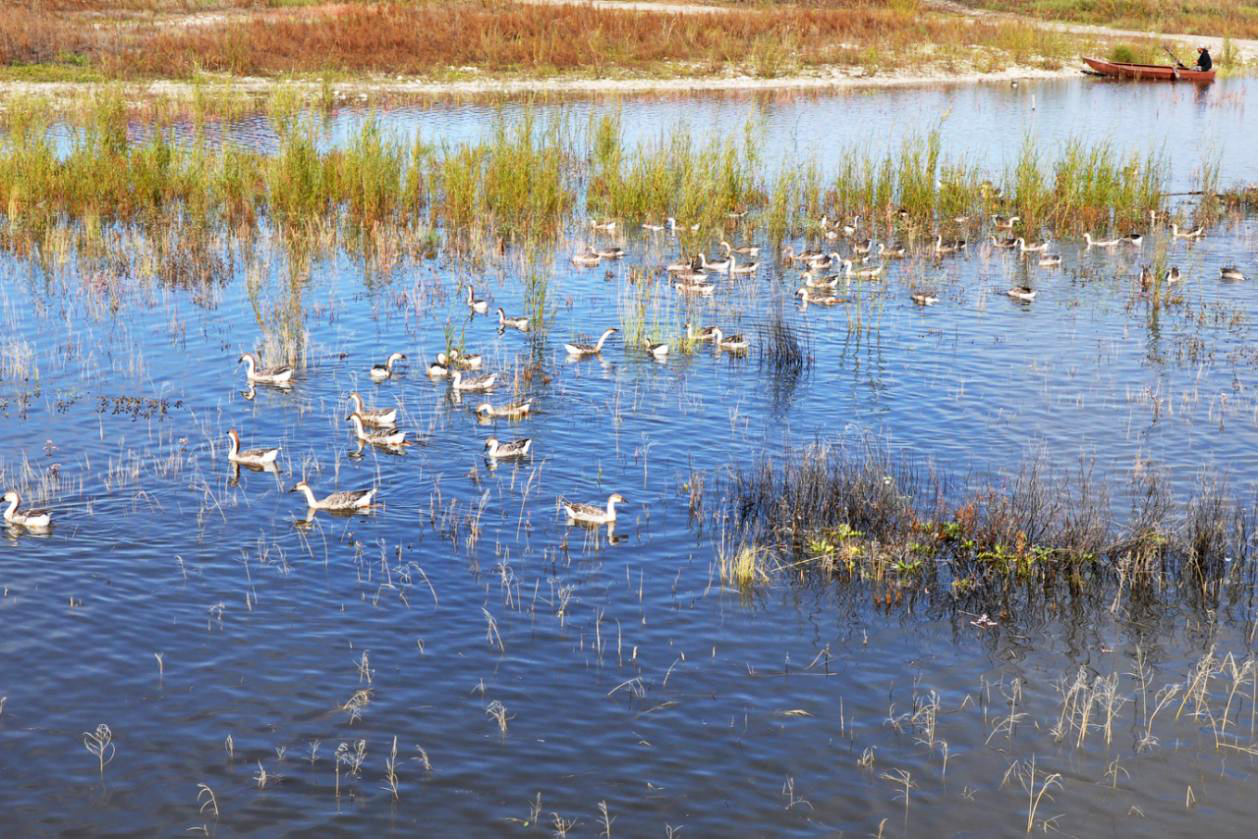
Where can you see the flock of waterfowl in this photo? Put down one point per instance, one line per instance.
(824, 271)
(378, 426)
(821, 274)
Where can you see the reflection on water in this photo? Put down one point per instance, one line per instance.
(529, 672)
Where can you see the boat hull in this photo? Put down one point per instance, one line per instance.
(1156, 72)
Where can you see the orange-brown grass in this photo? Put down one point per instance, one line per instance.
(499, 36)
(1198, 17)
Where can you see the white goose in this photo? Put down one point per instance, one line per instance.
(504, 322)
(476, 383)
(942, 247)
(658, 350)
(381, 418)
(580, 350)
(34, 520)
(734, 343)
(511, 410)
(1036, 247)
(746, 250)
(254, 372)
(380, 373)
(509, 449)
(341, 500)
(747, 268)
(478, 305)
(586, 257)
(1090, 242)
(249, 457)
(376, 438)
(578, 512)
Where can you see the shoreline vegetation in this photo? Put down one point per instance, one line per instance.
(503, 46)
(530, 181)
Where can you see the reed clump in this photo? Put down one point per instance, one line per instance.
(865, 516)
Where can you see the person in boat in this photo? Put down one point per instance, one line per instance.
(1204, 61)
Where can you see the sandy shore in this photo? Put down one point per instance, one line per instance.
(375, 87)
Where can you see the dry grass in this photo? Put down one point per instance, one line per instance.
(425, 37)
(1197, 17)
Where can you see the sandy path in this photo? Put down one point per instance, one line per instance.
(370, 88)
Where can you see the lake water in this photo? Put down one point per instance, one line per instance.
(630, 677)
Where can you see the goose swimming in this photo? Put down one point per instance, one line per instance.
(249, 457)
(826, 281)
(1177, 233)
(942, 247)
(1036, 247)
(867, 273)
(510, 411)
(477, 305)
(380, 373)
(34, 520)
(924, 299)
(391, 439)
(1133, 239)
(581, 350)
(467, 361)
(746, 250)
(1022, 293)
(476, 383)
(610, 253)
(521, 323)
(1049, 261)
(1008, 242)
(266, 376)
(578, 512)
(701, 334)
(437, 370)
(1172, 275)
(658, 350)
(341, 500)
(509, 449)
(1090, 242)
(695, 286)
(1231, 272)
(1004, 222)
(586, 257)
(381, 418)
(818, 299)
(734, 343)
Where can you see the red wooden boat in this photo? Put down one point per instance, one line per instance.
(1148, 71)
